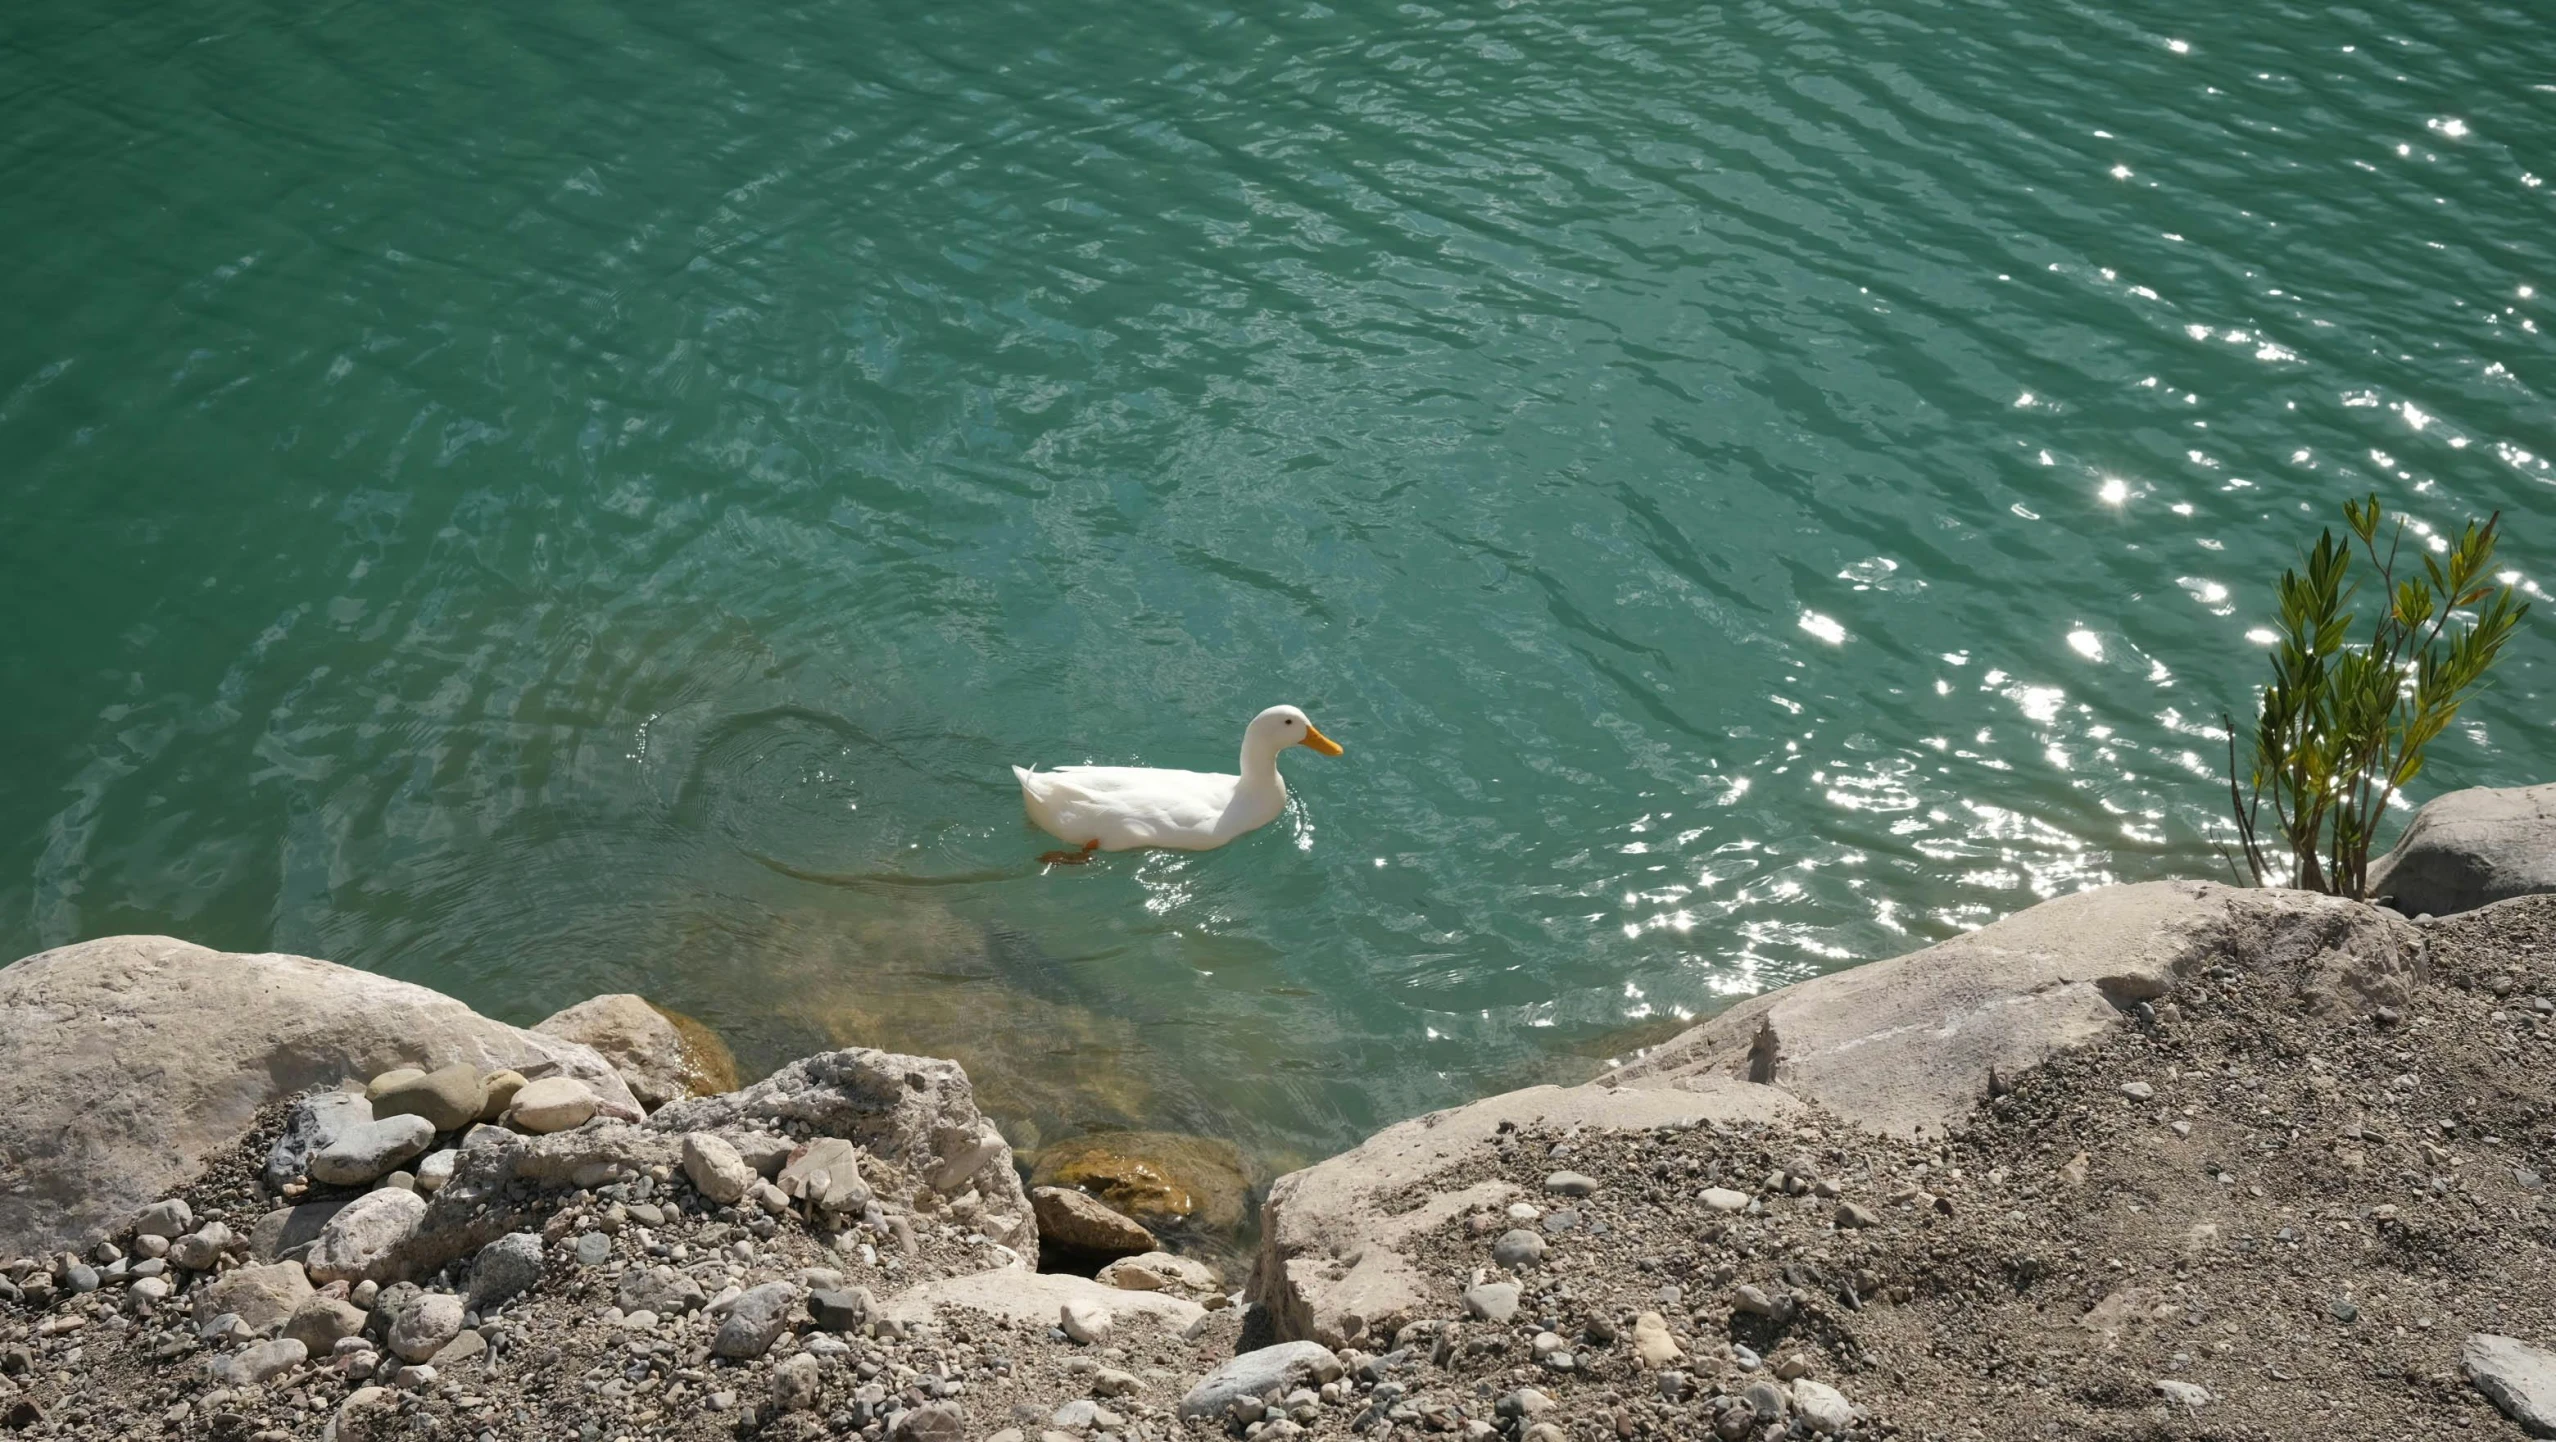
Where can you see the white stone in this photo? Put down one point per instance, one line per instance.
(716, 1170)
(436, 1168)
(552, 1104)
(1823, 1407)
(1652, 1342)
(1021, 1296)
(2514, 1376)
(1285, 1367)
(1086, 1322)
(362, 1241)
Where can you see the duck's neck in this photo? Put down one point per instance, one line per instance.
(1260, 769)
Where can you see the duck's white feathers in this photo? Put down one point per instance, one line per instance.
(1125, 808)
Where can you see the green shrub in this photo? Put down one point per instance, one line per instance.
(2342, 727)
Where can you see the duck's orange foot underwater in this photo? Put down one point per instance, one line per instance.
(1070, 858)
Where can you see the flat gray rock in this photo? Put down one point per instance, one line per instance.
(257, 1362)
(2469, 849)
(364, 1152)
(93, 1135)
(1286, 1367)
(755, 1320)
(1901, 1046)
(2516, 1377)
(504, 1269)
(315, 1122)
(1036, 1298)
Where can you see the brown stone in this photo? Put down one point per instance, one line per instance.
(1069, 1219)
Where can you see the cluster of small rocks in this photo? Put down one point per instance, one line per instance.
(637, 1281)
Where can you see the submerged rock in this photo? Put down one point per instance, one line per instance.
(1162, 1180)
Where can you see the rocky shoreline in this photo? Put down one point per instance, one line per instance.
(2151, 1161)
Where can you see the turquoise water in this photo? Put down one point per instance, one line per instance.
(576, 497)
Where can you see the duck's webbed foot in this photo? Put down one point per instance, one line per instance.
(1070, 858)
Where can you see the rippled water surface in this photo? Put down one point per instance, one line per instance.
(571, 497)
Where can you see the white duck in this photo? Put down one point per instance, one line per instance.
(1122, 808)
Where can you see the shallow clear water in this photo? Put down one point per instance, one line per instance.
(582, 497)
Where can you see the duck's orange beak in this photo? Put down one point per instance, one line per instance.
(1322, 744)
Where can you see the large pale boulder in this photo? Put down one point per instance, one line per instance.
(127, 1061)
(1331, 1266)
(1906, 1045)
(2469, 849)
(663, 1055)
(916, 1114)
(1903, 1046)
(1027, 1297)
